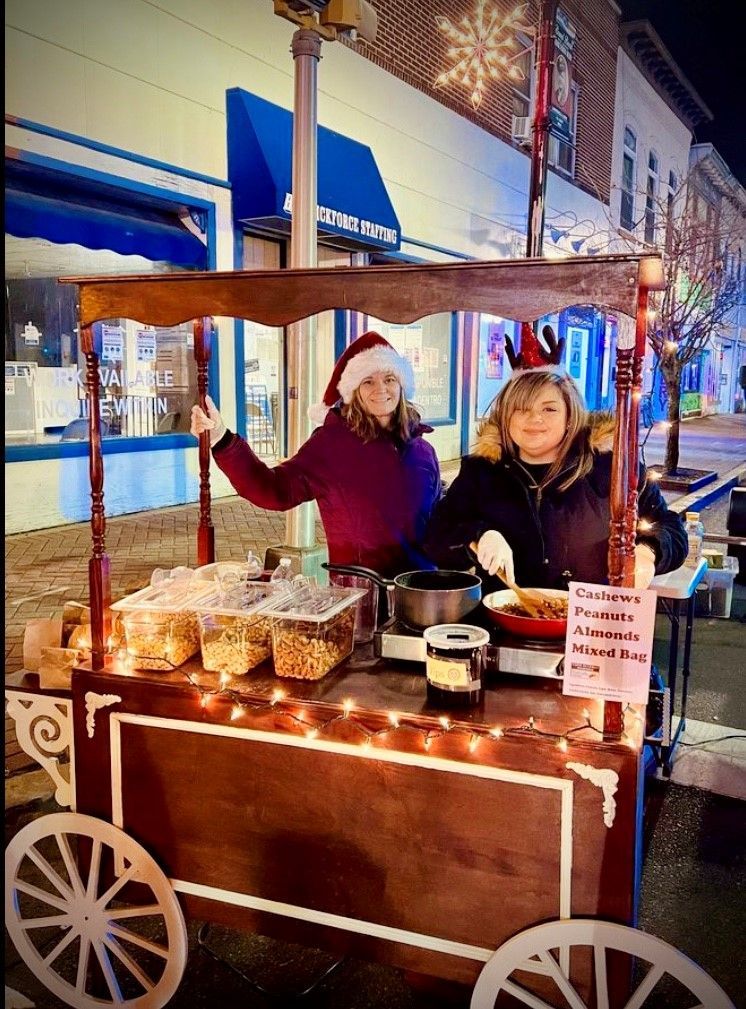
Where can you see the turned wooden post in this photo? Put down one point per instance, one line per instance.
(621, 468)
(99, 576)
(205, 532)
(633, 450)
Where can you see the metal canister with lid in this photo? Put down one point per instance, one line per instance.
(454, 665)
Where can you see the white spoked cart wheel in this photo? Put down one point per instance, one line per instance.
(82, 928)
(533, 952)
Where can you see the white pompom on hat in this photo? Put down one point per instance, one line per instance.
(364, 357)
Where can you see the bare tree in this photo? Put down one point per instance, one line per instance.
(701, 230)
(703, 244)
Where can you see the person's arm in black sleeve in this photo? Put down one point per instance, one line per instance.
(455, 523)
(662, 529)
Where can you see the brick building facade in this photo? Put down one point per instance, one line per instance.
(411, 46)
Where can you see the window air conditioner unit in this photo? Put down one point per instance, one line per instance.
(522, 130)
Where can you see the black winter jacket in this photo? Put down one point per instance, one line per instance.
(556, 536)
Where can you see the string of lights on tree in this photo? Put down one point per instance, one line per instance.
(484, 47)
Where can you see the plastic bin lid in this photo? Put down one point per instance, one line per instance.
(243, 600)
(169, 596)
(317, 604)
(211, 572)
(722, 576)
(456, 636)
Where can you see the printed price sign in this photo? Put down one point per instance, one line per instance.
(112, 343)
(609, 642)
(31, 335)
(145, 345)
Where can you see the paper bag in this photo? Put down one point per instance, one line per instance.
(41, 632)
(80, 637)
(76, 613)
(56, 667)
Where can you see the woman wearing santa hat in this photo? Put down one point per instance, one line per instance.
(374, 476)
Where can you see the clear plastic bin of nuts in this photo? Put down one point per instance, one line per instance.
(313, 630)
(160, 624)
(234, 632)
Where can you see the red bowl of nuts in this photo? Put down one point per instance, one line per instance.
(504, 610)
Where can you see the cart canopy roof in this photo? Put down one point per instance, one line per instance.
(523, 289)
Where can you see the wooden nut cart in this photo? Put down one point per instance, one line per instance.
(375, 828)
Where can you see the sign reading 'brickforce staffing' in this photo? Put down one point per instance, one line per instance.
(358, 226)
(609, 642)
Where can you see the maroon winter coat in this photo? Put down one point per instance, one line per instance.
(374, 497)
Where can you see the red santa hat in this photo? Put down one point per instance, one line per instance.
(365, 356)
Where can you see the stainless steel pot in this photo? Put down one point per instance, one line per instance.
(425, 598)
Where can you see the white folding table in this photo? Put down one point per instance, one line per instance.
(673, 589)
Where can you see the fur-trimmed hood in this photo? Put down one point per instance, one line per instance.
(599, 432)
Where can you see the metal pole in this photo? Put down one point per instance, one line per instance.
(540, 132)
(301, 337)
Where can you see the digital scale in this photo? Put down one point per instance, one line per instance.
(394, 640)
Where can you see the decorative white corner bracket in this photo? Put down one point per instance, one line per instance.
(603, 778)
(44, 731)
(93, 702)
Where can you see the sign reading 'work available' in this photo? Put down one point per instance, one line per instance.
(609, 642)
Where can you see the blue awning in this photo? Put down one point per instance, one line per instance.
(353, 205)
(46, 205)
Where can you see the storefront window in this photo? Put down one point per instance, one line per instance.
(429, 345)
(691, 374)
(493, 367)
(148, 380)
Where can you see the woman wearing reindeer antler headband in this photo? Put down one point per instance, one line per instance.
(534, 495)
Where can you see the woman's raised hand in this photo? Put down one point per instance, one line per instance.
(210, 421)
(494, 553)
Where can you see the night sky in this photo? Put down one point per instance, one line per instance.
(707, 39)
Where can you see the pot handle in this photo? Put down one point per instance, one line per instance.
(354, 569)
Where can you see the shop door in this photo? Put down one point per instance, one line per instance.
(608, 358)
(726, 378)
(577, 355)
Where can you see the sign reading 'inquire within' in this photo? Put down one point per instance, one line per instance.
(609, 642)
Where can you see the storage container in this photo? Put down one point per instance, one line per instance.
(234, 632)
(715, 591)
(454, 664)
(160, 624)
(313, 630)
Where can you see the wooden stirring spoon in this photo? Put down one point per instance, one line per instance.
(530, 599)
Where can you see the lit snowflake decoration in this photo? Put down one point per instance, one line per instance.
(483, 47)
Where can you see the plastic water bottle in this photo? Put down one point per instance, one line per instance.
(695, 532)
(282, 572)
(254, 566)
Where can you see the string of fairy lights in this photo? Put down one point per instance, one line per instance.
(428, 728)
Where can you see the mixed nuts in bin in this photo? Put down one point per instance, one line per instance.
(160, 624)
(237, 624)
(313, 630)
(234, 631)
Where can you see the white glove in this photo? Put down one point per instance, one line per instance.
(644, 565)
(494, 553)
(210, 421)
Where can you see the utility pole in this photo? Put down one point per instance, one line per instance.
(317, 19)
(530, 345)
(540, 131)
(300, 529)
